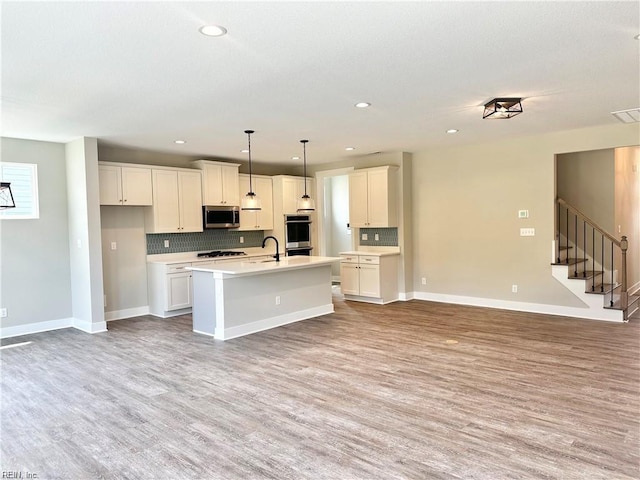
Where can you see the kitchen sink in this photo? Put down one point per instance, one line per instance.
(265, 260)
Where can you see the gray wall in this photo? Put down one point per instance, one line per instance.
(586, 181)
(627, 208)
(125, 268)
(34, 254)
(465, 206)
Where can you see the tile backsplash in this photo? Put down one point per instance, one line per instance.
(388, 237)
(214, 239)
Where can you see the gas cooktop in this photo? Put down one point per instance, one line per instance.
(220, 253)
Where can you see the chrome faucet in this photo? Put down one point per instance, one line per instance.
(277, 255)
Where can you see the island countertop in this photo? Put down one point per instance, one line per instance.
(247, 266)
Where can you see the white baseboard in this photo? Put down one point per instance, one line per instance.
(126, 313)
(267, 323)
(585, 313)
(29, 328)
(90, 327)
(406, 296)
(18, 330)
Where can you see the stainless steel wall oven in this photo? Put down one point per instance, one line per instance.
(297, 231)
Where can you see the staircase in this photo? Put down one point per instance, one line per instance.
(592, 264)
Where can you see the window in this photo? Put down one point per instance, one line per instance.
(24, 186)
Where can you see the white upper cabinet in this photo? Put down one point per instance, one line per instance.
(121, 185)
(219, 183)
(263, 188)
(373, 197)
(292, 191)
(177, 202)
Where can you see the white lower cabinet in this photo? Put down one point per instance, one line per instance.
(369, 278)
(179, 286)
(169, 288)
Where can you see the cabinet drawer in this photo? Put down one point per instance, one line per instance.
(348, 258)
(177, 267)
(369, 259)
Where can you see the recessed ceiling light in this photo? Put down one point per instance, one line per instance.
(637, 37)
(295, 158)
(349, 149)
(452, 130)
(213, 30)
(180, 142)
(363, 104)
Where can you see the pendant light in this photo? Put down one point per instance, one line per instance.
(250, 200)
(305, 203)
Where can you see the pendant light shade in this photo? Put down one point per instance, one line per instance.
(305, 203)
(250, 201)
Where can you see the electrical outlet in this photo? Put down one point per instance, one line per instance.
(424, 280)
(514, 288)
(114, 245)
(3, 313)
(241, 239)
(277, 299)
(166, 244)
(376, 237)
(365, 236)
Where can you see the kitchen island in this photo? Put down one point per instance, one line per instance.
(243, 297)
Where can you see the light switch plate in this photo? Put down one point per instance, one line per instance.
(527, 232)
(166, 244)
(523, 213)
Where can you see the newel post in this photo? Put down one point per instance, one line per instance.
(624, 245)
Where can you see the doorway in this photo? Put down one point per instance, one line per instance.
(334, 234)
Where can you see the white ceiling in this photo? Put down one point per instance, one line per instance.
(139, 74)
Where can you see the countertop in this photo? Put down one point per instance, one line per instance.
(185, 257)
(248, 267)
(375, 253)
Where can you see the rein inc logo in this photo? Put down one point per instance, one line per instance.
(18, 474)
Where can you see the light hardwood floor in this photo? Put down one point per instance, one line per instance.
(370, 392)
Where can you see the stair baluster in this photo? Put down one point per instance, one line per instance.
(567, 230)
(602, 265)
(593, 257)
(584, 249)
(559, 236)
(612, 284)
(575, 242)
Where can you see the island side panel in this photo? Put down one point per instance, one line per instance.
(204, 303)
(250, 301)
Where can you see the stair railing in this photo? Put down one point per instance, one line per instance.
(566, 212)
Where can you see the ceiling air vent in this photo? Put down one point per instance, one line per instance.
(628, 116)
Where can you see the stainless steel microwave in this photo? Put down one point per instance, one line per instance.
(221, 217)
